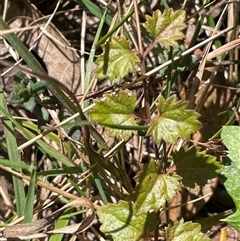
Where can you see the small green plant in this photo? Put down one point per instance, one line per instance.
(136, 220)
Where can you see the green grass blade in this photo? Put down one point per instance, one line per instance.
(61, 171)
(49, 151)
(165, 4)
(41, 145)
(52, 136)
(114, 29)
(101, 190)
(217, 42)
(91, 56)
(95, 10)
(28, 212)
(14, 164)
(13, 155)
(77, 187)
(62, 222)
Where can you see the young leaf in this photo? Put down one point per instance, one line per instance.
(232, 175)
(187, 231)
(166, 28)
(14, 98)
(117, 59)
(121, 222)
(195, 166)
(174, 121)
(231, 136)
(116, 110)
(155, 190)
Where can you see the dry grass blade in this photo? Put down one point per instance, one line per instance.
(15, 30)
(225, 48)
(28, 230)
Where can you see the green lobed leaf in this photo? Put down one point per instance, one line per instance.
(117, 59)
(166, 28)
(233, 220)
(173, 121)
(231, 183)
(231, 137)
(147, 168)
(195, 166)
(121, 222)
(155, 190)
(116, 110)
(187, 231)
